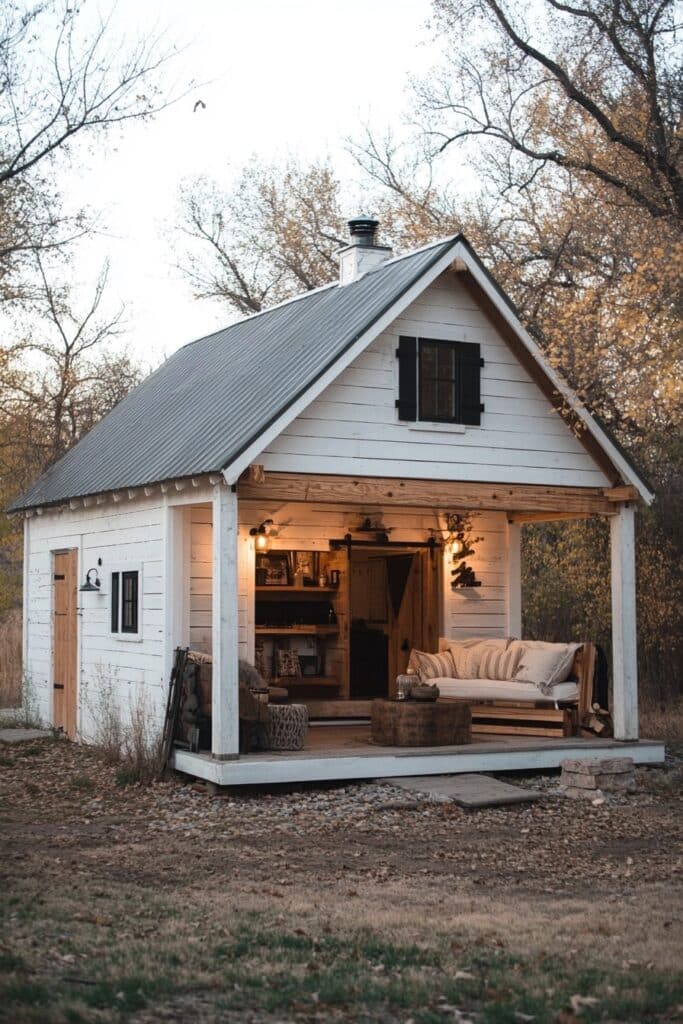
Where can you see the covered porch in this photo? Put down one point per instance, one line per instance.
(214, 555)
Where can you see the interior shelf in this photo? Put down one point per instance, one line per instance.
(296, 590)
(296, 630)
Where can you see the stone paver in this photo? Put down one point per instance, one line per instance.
(466, 790)
(22, 735)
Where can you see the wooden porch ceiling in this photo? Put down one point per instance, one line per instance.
(524, 499)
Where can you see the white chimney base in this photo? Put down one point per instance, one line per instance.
(357, 259)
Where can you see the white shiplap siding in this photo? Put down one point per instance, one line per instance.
(129, 534)
(352, 428)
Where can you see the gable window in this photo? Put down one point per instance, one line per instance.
(439, 381)
(125, 602)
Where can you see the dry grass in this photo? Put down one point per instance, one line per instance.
(662, 722)
(10, 659)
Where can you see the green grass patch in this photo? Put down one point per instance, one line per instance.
(10, 963)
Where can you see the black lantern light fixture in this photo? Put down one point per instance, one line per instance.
(260, 533)
(93, 583)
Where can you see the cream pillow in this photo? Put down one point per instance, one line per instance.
(431, 666)
(545, 664)
(467, 654)
(497, 663)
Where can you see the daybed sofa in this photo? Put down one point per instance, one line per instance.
(523, 686)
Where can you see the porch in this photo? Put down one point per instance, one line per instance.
(213, 552)
(339, 753)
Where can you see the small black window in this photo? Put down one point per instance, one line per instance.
(129, 602)
(439, 381)
(125, 601)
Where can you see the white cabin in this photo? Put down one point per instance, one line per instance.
(287, 485)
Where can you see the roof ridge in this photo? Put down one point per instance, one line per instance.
(322, 288)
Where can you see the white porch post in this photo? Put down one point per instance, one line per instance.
(514, 580)
(624, 653)
(225, 626)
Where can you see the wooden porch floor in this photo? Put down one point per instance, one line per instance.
(336, 753)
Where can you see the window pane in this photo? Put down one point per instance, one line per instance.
(438, 381)
(129, 602)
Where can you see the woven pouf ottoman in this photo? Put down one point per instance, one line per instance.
(287, 725)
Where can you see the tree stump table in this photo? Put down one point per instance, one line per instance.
(412, 723)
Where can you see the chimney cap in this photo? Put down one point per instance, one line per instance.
(363, 230)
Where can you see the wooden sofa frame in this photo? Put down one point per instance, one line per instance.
(537, 718)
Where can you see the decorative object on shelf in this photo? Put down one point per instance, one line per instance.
(461, 542)
(335, 578)
(261, 535)
(273, 569)
(288, 664)
(372, 525)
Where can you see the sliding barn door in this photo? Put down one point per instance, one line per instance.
(65, 632)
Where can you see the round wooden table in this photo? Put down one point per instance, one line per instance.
(414, 723)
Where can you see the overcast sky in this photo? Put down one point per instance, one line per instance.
(279, 77)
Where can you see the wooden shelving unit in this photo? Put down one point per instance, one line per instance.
(312, 591)
(303, 612)
(296, 630)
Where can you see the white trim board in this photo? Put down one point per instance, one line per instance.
(274, 769)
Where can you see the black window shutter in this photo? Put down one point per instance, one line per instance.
(469, 359)
(407, 378)
(115, 578)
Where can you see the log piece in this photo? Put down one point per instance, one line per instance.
(405, 723)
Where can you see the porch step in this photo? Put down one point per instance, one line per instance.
(472, 791)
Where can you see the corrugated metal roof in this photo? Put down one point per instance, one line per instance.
(214, 397)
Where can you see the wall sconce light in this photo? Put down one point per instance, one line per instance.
(260, 535)
(93, 583)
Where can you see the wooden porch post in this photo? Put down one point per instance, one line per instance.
(225, 626)
(514, 580)
(624, 653)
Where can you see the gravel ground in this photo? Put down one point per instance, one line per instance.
(594, 884)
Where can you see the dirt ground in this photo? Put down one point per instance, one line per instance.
(352, 903)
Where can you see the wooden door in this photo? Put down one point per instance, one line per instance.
(65, 632)
(417, 621)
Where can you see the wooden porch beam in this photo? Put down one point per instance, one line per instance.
(348, 490)
(546, 517)
(621, 494)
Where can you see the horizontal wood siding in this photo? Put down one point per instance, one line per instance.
(127, 533)
(353, 427)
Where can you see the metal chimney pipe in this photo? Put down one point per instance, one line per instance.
(362, 230)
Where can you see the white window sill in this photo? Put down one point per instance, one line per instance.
(440, 428)
(127, 638)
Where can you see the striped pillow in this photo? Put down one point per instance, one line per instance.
(467, 653)
(431, 666)
(496, 663)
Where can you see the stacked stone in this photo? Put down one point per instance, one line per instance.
(593, 779)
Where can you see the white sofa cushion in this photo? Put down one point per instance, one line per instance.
(544, 664)
(504, 689)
